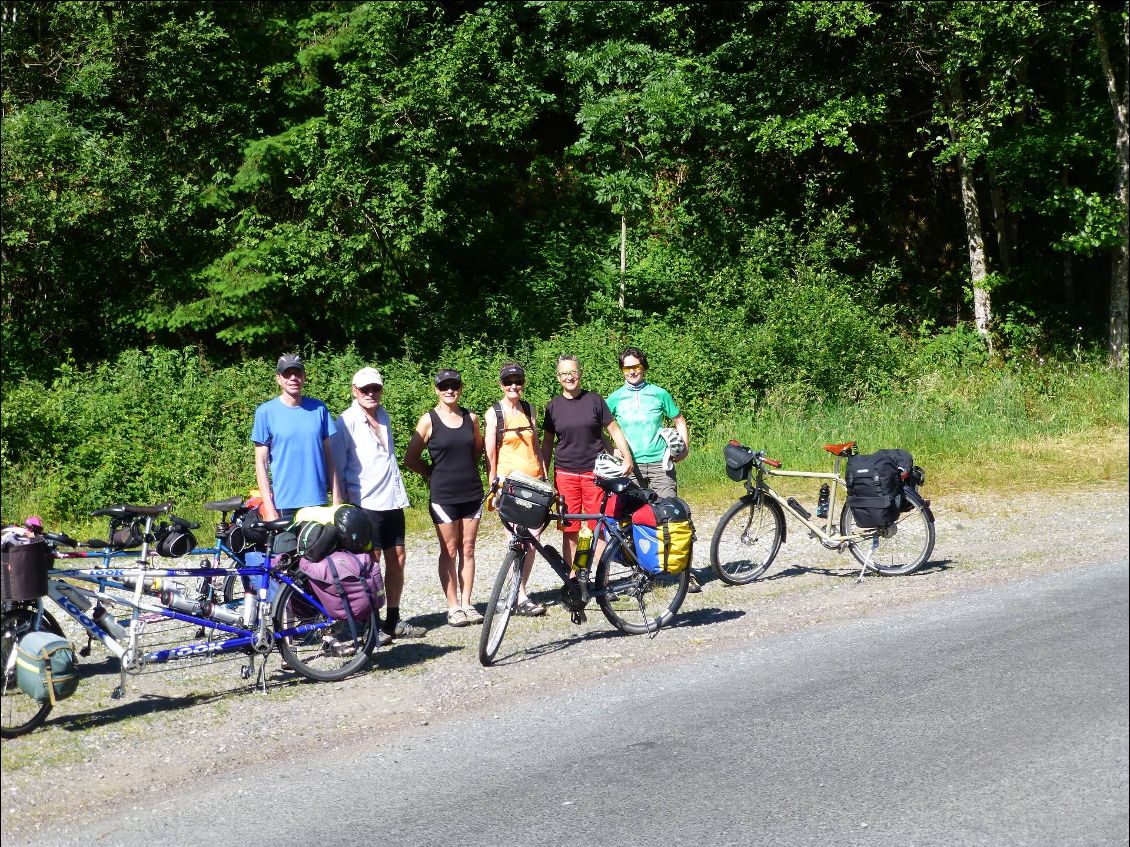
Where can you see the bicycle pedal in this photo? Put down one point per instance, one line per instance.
(85, 651)
(579, 617)
(245, 671)
(117, 693)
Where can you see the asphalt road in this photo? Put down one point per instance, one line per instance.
(991, 718)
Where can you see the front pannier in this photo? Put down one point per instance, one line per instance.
(525, 501)
(874, 486)
(45, 667)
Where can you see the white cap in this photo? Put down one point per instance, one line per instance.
(367, 376)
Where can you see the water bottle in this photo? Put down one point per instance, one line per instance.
(798, 508)
(822, 501)
(222, 613)
(104, 619)
(250, 604)
(583, 557)
(178, 602)
(149, 584)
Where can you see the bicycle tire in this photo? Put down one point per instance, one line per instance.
(328, 651)
(623, 586)
(19, 714)
(747, 540)
(903, 547)
(503, 599)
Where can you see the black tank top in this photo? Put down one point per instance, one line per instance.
(455, 465)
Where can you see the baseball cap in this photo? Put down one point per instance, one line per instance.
(290, 360)
(448, 375)
(367, 376)
(34, 522)
(509, 371)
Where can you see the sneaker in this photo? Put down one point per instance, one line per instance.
(403, 629)
(693, 586)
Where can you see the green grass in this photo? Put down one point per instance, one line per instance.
(1001, 430)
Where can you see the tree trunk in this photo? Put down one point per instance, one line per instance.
(974, 234)
(623, 255)
(1120, 262)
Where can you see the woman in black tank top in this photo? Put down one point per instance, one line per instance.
(455, 445)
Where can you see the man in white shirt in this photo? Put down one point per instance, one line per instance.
(365, 459)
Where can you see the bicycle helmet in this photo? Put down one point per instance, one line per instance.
(608, 467)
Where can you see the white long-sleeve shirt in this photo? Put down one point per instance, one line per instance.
(365, 455)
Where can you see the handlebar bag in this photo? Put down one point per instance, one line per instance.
(45, 667)
(739, 461)
(25, 565)
(525, 501)
(663, 536)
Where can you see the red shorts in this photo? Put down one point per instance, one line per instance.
(582, 496)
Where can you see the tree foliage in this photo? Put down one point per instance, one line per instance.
(244, 177)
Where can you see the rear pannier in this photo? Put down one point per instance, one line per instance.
(874, 486)
(663, 536)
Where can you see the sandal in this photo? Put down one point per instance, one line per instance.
(457, 617)
(472, 614)
(529, 609)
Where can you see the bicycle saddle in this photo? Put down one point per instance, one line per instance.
(839, 449)
(127, 511)
(228, 505)
(616, 485)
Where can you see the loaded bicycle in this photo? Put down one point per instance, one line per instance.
(282, 614)
(634, 599)
(749, 535)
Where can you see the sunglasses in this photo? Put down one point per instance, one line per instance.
(567, 374)
(629, 368)
(518, 382)
(450, 385)
(371, 389)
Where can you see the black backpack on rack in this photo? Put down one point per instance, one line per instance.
(875, 486)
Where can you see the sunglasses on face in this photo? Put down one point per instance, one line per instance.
(449, 386)
(507, 383)
(630, 368)
(371, 389)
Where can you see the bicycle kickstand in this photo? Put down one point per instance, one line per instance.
(867, 559)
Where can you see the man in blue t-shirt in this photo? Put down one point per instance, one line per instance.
(294, 464)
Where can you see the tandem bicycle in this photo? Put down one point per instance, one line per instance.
(282, 614)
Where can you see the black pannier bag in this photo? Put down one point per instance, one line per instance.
(874, 486)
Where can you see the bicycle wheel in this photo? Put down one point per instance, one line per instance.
(901, 548)
(503, 598)
(747, 540)
(635, 601)
(19, 714)
(323, 649)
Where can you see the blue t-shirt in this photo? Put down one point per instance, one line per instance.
(294, 436)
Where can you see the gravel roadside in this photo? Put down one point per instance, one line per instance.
(183, 723)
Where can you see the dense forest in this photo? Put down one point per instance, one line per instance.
(242, 178)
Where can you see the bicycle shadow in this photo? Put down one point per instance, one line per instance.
(852, 571)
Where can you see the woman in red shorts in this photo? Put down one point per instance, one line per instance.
(573, 424)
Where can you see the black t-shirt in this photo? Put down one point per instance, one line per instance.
(577, 423)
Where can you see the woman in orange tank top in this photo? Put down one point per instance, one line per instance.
(514, 447)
